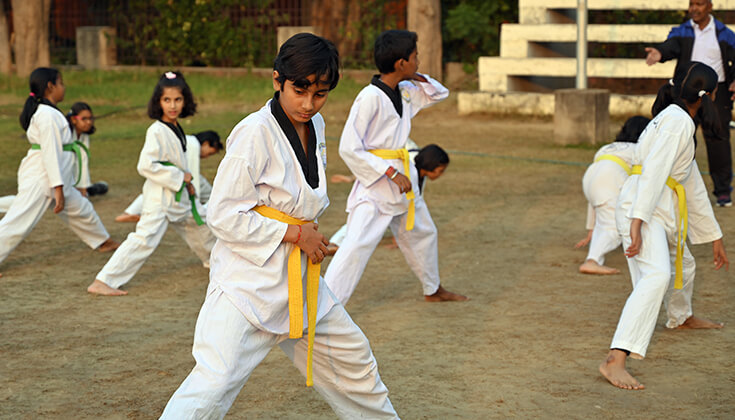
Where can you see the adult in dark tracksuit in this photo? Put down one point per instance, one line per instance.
(705, 39)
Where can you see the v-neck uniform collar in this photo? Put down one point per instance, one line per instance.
(393, 94)
(178, 131)
(307, 159)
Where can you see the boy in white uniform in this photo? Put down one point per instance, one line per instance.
(269, 189)
(373, 147)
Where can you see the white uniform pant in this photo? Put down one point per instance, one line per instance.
(5, 203)
(227, 348)
(365, 228)
(605, 236)
(136, 207)
(28, 207)
(139, 245)
(652, 273)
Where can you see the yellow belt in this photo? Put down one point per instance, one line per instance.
(403, 155)
(681, 226)
(295, 288)
(617, 160)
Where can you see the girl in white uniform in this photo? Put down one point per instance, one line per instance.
(378, 125)
(269, 189)
(47, 174)
(651, 219)
(601, 185)
(166, 191)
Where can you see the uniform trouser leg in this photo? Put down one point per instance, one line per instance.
(136, 207)
(605, 236)
(6, 202)
(134, 251)
(82, 219)
(650, 272)
(199, 238)
(719, 157)
(419, 246)
(365, 228)
(227, 348)
(678, 302)
(22, 216)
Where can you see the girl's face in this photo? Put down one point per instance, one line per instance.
(299, 103)
(83, 122)
(436, 173)
(172, 103)
(55, 91)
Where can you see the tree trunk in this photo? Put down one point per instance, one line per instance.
(30, 21)
(337, 21)
(6, 61)
(424, 18)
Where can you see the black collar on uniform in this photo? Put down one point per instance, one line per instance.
(306, 160)
(393, 94)
(176, 128)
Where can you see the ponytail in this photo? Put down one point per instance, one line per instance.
(39, 81)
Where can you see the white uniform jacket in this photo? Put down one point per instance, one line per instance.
(603, 179)
(85, 180)
(162, 182)
(50, 165)
(193, 152)
(666, 149)
(374, 123)
(249, 263)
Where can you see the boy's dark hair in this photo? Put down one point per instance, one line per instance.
(171, 79)
(305, 54)
(75, 110)
(632, 129)
(430, 157)
(210, 137)
(391, 46)
(38, 81)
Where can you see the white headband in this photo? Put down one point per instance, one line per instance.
(702, 93)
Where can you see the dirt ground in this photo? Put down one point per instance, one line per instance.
(526, 346)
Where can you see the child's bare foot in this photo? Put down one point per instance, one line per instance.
(700, 323)
(591, 267)
(99, 288)
(444, 295)
(613, 369)
(125, 218)
(332, 248)
(393, 244)
(108, 245)
(339, 178)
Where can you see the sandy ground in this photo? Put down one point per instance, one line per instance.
(526, 346)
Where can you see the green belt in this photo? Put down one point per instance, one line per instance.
(194, 212)
(75, 147)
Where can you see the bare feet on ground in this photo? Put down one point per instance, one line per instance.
(339, 178)
(591, 267)
(108, 245)
(99, 288)
(332, 248)
(613, 369)
(124, 218)
(393, 244)
(443, 295)
(693, 323)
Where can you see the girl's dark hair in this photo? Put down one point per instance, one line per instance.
(696, 78)
(305, 54)
(210, 137)
(430, 157)
(39, 80)
(167, 80)
(75, 110)
(391, 46)
(632, 129)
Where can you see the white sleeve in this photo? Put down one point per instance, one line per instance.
(50, 139)
(193, 159)
(84, 180)
(230, 212)
(169, 177)
(590, 217)
(424, 94)
(366, 167)
(703, 226)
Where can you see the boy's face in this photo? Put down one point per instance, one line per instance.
(301, 103)
(408, 68)
(206, 150)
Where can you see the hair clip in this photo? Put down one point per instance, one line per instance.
(170, 75)
(702, 93)
(33, 95)
(671, 82)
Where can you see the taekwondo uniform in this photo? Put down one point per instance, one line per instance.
(202, 187)
(601, 185)
(665, 149)
(380, 118)
(246, 310)
(160, 208)
(47, 165)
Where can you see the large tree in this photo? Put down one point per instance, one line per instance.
(31, 27)
(5, 57)
(424, 18)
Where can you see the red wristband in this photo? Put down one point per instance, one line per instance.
(390, 171)
(298, 238)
